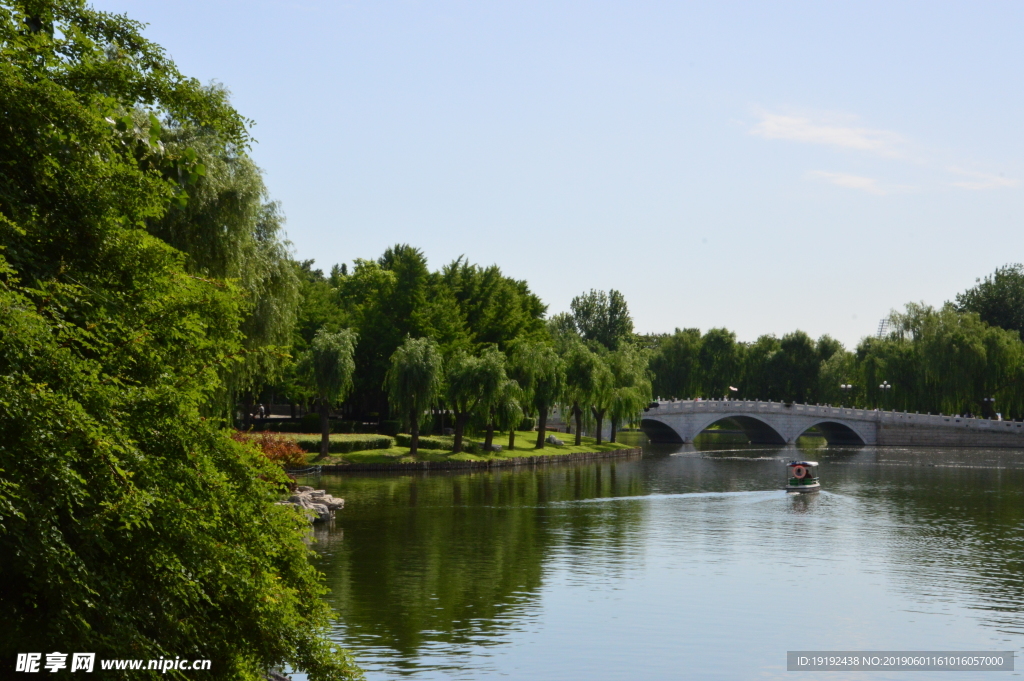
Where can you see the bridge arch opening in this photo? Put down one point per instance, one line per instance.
(838, 433)
(656, 431)
(756, 430)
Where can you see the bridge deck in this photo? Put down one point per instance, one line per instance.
(873, 426)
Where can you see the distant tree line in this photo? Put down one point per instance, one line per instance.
(964, 357)
(465, 342)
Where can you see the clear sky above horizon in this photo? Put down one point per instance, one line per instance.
(759, 166)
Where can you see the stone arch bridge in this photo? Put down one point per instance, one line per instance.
(779, 423)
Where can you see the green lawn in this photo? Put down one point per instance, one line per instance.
(525, 441)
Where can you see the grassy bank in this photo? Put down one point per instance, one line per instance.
(437, 448)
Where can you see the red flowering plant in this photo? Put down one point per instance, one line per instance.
(277, 448)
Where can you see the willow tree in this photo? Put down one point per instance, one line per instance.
(676, 364)
(585, 378)
(230, 229)
(414, 381)
(505, 412)
(332, 364)
(472, 384)
(721, 362)
(631, 382)
(540, 373)
(942, 360)
(140, 529)
(602, 393)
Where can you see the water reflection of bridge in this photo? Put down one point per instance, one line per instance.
(782, 423)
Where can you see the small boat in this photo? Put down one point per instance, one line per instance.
(803, 477)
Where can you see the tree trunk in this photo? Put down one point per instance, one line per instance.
(414, 431)
(489, 437)
(599, 417)
(611, 438)
(293, 409)
(511, 439)
(542, 425)
(460, 423)
(247, 411)
(578, 413)
(325, 428)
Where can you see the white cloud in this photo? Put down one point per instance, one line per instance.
(866, 184)
(980, 180)
(797, 129)
(842, 133)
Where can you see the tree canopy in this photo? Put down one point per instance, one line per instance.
(331, 365)
(602, 318)
(130, 523)
(998, 299)
(414, 380)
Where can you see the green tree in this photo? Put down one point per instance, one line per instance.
(318, 309)
(676, 364)
(505, 413)
(762, 378)
(496, 309)
(414, 381)
(230, 229)
(140, 529)
(798, 363)
(631, 386)
(540, 373)
(585, 377)
(387, 300)
(473, 384)
(720, 362)
(331, 364)
(603, 318)
(603, 393)
(838, 370)
(998, 299)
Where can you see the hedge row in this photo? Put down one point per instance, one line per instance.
(311, 424)
(445, 442)
(311, 443)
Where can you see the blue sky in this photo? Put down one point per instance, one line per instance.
(759, 166)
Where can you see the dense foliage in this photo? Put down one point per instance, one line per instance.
(945, 360)
(131, 525)
(998, 299)
(414, 381)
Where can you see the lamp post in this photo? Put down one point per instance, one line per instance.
(885, 388)
(846, 388)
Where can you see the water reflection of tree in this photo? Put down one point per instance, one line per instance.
(458, 559)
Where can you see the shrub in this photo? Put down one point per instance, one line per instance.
(280, 450)
(347, 445)
(445, 442)
(311, 426)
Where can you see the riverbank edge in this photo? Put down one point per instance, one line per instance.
(510, 462)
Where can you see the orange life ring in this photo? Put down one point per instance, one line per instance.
(799, 472)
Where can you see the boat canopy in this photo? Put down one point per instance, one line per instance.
(802, 463)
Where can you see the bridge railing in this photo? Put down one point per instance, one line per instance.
(757, 406)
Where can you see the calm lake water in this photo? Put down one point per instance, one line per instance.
(681, 564)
